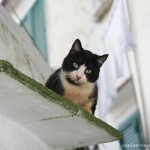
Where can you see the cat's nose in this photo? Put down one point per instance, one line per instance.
(78, 77)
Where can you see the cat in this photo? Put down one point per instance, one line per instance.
(76, 79)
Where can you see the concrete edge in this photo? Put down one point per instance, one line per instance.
(8, 68)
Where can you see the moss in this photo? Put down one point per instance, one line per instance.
(99, 123)
(37, 87)
(52, 96)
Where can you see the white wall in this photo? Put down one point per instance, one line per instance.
(17, 48)
(15, 137)
(140, 14)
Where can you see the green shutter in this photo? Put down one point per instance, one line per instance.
(35, 26)
(131, 134)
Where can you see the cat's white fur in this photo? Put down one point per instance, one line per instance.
(79, 73)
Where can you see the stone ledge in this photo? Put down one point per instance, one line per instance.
(59, 118)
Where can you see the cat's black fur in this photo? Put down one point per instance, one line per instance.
(81, 57)
(54, 82)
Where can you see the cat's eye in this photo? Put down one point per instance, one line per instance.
(75, 65)
(88, 71)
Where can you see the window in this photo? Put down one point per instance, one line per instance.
(131, 134)
(35, 26)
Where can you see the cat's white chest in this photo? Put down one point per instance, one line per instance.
(78, 95)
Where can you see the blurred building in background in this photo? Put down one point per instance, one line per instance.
(117, 27)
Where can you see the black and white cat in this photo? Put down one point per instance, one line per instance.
(76, 79)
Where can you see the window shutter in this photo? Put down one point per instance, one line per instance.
(131, 134)
(35, 26)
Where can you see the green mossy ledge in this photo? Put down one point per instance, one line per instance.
(52, 96)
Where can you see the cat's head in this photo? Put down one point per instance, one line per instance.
(82, 66)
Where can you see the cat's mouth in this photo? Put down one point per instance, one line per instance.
(74, 82)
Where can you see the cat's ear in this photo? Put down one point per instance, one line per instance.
(76, 47)
(101, 59)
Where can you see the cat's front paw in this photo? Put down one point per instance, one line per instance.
(87, 109)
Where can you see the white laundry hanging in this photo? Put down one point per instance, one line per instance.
(118, 37)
